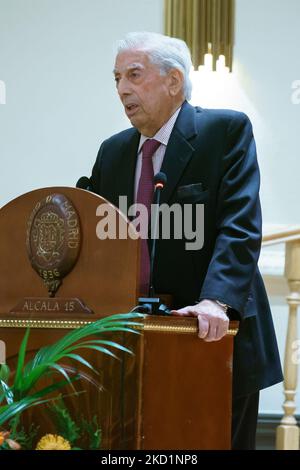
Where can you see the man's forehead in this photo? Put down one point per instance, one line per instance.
(131, 58)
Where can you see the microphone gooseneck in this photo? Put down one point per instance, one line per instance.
(160, 180)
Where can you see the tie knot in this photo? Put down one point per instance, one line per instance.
(149, 148)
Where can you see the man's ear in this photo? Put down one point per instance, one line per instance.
(175, 82)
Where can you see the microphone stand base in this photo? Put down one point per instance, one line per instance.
(153, 306)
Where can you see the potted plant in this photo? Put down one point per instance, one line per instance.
(23, 391)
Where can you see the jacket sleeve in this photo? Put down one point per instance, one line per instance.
(238, 220)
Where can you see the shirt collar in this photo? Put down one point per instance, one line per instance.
(164, 133)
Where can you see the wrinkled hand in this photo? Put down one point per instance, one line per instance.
(212, 320)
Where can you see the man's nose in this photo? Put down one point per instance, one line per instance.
(123, 87)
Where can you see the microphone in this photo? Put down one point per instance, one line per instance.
(84, 183)
(160, 180)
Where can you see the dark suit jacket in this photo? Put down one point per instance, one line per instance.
(210, 159)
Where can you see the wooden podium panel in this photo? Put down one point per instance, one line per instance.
(184, 387)
(104, 277)
(186, 392)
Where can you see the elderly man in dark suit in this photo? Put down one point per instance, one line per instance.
(209, 158)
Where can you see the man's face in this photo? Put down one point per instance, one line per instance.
(144, 92)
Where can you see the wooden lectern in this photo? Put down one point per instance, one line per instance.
(175, 392)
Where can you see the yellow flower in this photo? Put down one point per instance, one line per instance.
(53, 442)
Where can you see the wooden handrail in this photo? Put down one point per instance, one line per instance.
(282, 236)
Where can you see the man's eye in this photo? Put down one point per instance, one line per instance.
(135, 74)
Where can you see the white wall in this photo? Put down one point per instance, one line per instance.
(56, 60)
(268, 61)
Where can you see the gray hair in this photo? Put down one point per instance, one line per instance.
(164, 51)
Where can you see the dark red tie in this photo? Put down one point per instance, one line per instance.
(145, 197)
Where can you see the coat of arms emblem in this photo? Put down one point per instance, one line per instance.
(53, 239)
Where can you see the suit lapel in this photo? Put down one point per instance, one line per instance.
(126, 169)
(179, 149)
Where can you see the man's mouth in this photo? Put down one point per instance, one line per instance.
(131, 109)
